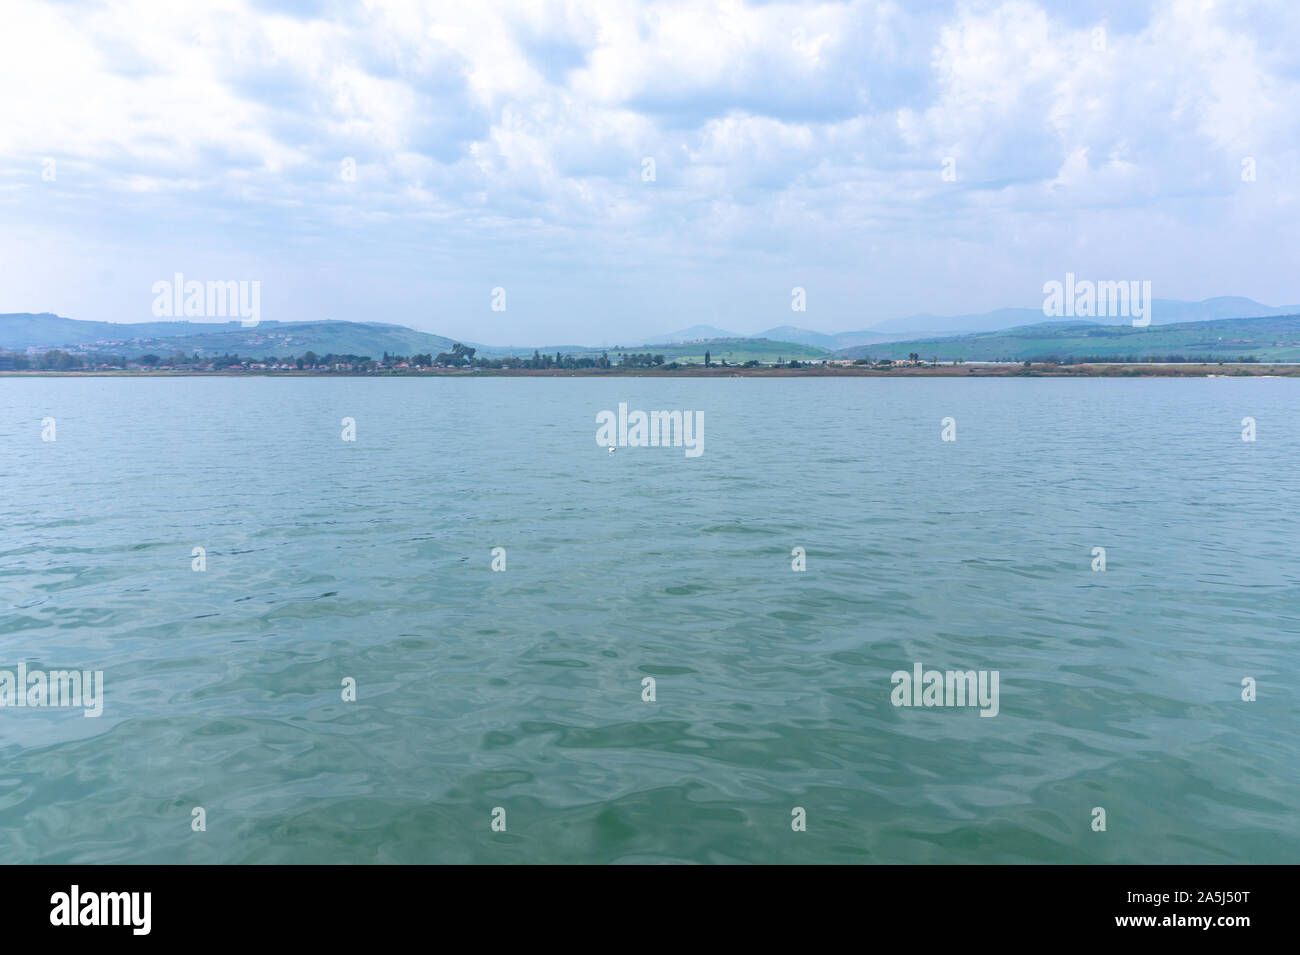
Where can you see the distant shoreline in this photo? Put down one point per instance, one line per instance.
(1118, 370)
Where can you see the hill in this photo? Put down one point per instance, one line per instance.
(925, 326)
(1164, 311)
(21, 331)
(1267, 339)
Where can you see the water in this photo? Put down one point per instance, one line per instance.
(522, 690)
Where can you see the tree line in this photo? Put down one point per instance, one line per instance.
(460, 356)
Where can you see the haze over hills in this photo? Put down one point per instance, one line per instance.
(918, 326)
(695, 333)
(1163, 312)
(804, 336)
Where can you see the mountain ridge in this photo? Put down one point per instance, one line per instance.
(1016, 330)
(923, 325)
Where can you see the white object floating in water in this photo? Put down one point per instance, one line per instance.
(611, 450)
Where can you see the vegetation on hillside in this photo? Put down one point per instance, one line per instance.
(1238, 339)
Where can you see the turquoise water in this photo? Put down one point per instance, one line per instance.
(522, 689)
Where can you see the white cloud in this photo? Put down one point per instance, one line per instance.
(508, 138)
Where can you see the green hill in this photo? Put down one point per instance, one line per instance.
(1270, 338)
(1273, 338)
(21, 331)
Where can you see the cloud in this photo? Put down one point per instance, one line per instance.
(504, 144)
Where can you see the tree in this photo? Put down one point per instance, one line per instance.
(460, 356)
(913, 357)
(706, 358)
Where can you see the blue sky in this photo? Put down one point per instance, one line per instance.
(504, 145)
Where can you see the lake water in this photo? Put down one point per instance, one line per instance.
(522, 689)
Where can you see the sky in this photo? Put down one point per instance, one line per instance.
(626, 169)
